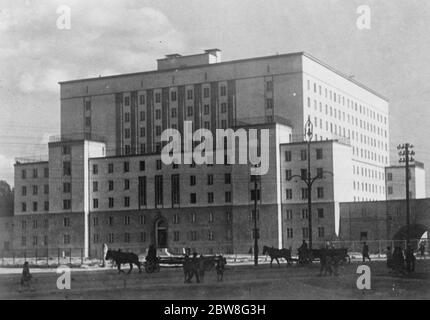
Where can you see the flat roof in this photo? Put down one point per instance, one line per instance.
(301, 53)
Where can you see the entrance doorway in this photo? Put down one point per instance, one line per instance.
(161, 234)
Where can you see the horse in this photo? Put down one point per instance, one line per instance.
(275, 254)
(123, 257)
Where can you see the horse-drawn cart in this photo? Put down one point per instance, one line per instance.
(307, 256)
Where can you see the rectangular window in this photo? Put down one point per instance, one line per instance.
(158, 97)
(319, 154)
(174, 113)
(192, 180)
(287, 156)
(304, 174)
(24, 174)
(227, 178)
(175, 189)
(24, 191)
(320, 173)
(190, 94)
(223, 91)
(46, 172)
(67, 168)
(158, 190)
(66, 239)
(321, 232)
(126, 202)
(269, 103)
(142, 165)
(288, 174)
(210, 197)
(227, 196)
(206, 109)
(289, 214)
(126, 166)
(35, 206)
(289, 194)
(193, 198)
(142, 99)
(223, 107)
(66, 222)
(67, 186)
(95, 186)
(126, 184)
(305, 232)
(320, 213)
(304, 193)
(173, 96)
(111, 202)
(46, 189)
(23, 207)
(290, 233)
(158, 164)
(158, 114)
(142, 191)
(67, 204)
(389, 176)
(95, 203)
(142, 116)
(206, 92)
(210, 179)
(110, 168)
(320, 192)
(110, 185)
(46, 206)
(303, 155)
(176, 236)
(127, 133)
(190, 111)
(127, 101)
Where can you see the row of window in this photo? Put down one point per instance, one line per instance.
(159, 200)
(304, 155)
(368, 187)
(35, 173)
(174, 96)
(35, 206)
(336, 97)
(34, 190)
(349, 118)
(305, 233)
(304, 214)
(304, 193)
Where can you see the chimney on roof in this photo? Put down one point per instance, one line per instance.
(177, 61)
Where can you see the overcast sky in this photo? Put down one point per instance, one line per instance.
(111, 37)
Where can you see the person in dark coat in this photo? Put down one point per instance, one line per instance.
(152, 254)
(410, 259)
(389, 258)
(422, 249)
(365, 252)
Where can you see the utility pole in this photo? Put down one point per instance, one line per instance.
(308, 180)
(255, 230)
(406, 153)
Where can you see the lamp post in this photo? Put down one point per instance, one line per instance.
(255, 230)
(308, 180)
(406, 154)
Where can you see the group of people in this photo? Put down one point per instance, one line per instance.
(196, 267)
(399, 261)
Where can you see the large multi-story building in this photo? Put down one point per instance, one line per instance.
(104, 180)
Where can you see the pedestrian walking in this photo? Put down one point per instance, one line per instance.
(422, 249)
(410, 259)
(365, 252)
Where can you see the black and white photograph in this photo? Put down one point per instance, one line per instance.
(233, 151)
